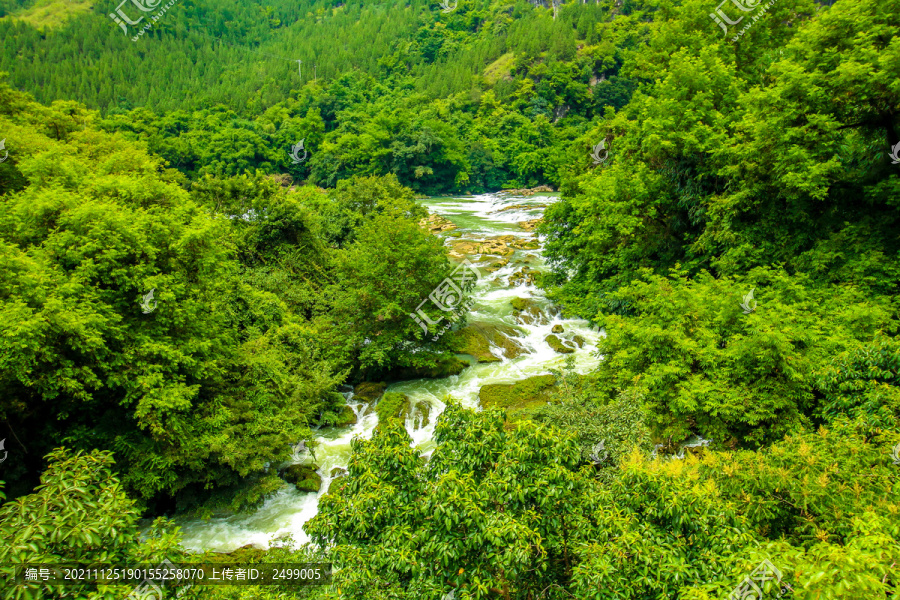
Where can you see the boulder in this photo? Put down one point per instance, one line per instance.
(338, 472)
(435, 223)
(530, 225)
(247, 553)
(520, 207)
(445, 366)
(557, 328)
(476, 340)
(558, 345)
(520, 243)
(502, 245)
(369, 391)
(346, 418)
(496, 265)
(527, 312)
(421, 415)
(578, 340)
(528, 191)
(394, 405)
(304, 477)
(524, 276)
(475, 247)
(469, 340)
(521, 399)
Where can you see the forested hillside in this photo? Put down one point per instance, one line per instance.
(474, 100)
(735, 235)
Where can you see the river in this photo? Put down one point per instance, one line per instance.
(477, 218)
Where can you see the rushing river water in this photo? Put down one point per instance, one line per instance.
(476, 218)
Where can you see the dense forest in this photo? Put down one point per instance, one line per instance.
(763, 159)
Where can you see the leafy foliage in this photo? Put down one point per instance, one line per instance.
(240, 351)
(79, 512)
(706, 367)
(733, 165)
(518, 514)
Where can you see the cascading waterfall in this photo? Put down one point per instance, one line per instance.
(477, 218)
(359, 408)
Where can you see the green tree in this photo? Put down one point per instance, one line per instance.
(78, 514)
(706, 367)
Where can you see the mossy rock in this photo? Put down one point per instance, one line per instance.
(527, 311)
(558, 345)
(338, 472)
(455, 234)
(579, 340)
(522, 303)
(504, 336)
(445, 366)
(249, 553)
(369, 391)
(520, 400)
(304, 477)
(346, 418)
(476, 341)
(470, 340)
(436, 223)
(392, 406)
(424, 409)
(496, 265)
(496, 246)
(558, 328)
(524, 276)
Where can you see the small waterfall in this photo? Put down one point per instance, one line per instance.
(360, 409)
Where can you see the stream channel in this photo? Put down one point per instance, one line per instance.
(476, 218)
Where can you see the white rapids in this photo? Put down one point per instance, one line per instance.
(476, 217)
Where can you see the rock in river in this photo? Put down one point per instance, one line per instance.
(304, 477)
(521, 399)
(558, 345)
(476, 340)
(369, 391)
